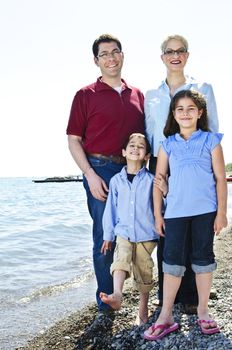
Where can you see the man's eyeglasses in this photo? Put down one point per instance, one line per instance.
(170, 52)
(104, 55)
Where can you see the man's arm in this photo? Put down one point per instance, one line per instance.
(96, 184)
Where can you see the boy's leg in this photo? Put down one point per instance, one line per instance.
(120, 269)
(142, 265)
(142, 316)
(115, 299)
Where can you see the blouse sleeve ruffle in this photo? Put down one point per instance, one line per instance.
(166, 145)
(214, 138)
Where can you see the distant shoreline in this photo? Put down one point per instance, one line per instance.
(77, 178)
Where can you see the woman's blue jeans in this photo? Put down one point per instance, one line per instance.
(106, 170)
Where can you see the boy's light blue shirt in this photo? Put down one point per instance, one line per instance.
(192, 185)
(157, 104)
(129, 208)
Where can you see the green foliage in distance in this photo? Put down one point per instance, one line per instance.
(229, 167)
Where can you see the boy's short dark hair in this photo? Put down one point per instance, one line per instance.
(148, 147)
(104, 38)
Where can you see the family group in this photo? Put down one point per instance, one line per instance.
(154, 175)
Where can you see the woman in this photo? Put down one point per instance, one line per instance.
(157, 101)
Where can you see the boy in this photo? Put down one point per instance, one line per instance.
(129, 216)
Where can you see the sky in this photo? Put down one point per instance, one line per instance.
(46, 57)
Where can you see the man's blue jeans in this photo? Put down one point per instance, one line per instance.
(106, 170)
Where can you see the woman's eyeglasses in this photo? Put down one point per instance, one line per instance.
(170, 52)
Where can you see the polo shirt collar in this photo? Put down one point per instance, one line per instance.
(103, 86)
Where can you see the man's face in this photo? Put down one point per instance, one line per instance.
(109, 60)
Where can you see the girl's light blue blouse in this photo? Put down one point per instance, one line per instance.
(192, 186)
(129, 208)
(156, 105)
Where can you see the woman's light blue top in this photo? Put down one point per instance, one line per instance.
(192, 186)
(129, 208)
(157, 102)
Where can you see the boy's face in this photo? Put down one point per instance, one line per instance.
(136, 149)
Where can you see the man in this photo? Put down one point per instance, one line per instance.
(102, 117)
(157, 101)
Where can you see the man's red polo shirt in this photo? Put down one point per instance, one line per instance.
(104, 118)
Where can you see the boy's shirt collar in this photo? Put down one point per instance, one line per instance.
(123, 172)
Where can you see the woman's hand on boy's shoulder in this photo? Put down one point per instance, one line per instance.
(220, 222)
(107, 245)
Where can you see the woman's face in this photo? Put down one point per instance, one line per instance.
(175, 56)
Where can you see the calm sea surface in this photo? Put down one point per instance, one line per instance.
(45, 256)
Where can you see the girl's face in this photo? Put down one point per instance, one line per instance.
(186, 113)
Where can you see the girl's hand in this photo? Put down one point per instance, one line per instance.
(160, 226)
(107, 245)
(219, 223)
(160, 181)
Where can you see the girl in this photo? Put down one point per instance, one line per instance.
(197, 199)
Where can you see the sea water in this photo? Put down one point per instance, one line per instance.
(46, 268)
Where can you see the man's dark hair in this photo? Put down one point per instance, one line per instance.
(104, 38)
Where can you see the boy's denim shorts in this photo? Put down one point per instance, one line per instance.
(191, 236)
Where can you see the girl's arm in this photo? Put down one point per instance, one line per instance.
(161, 170)
(162, 183)
(221, 188)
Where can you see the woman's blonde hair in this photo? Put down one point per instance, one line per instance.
(175, 37)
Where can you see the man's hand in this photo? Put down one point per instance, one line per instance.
(97, 185)
(107, 245)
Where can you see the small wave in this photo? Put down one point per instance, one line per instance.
(56, 289)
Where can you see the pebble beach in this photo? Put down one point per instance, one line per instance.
(119, 332)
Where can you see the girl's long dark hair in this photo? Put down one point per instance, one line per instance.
(172, 127)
